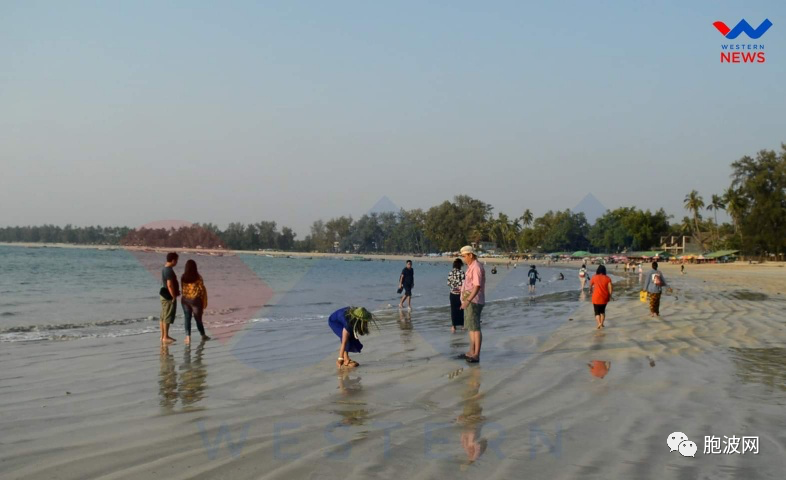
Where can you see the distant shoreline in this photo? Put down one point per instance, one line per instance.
(381, 257)
(280, 254)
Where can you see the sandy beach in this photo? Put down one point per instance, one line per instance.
(580, 403)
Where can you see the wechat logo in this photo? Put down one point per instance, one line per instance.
(679, 441)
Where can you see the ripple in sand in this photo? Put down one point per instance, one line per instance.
(765, 366)
(748, 295)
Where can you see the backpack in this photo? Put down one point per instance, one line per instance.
(657, 280)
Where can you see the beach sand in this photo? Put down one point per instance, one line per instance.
(582, 402)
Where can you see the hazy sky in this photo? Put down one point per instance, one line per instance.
(121, 113)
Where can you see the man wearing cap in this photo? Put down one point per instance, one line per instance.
(473, 297)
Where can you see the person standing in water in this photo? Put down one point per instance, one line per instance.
(406, 282)
(194, 300)
(168, 293)
(473, 298)
(533, 277)
(583, 275)
(601, 289)
(455, 280)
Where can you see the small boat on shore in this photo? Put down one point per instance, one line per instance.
(356, 258)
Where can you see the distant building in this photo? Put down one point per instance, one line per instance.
(679, 245)
(490, 247)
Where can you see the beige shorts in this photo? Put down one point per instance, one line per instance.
(168, 310)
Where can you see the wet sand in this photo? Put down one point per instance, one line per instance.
(581, 403)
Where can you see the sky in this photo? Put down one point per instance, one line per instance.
(124, 113)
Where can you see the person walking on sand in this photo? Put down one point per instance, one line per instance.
(653, 285)
(348, 324)
(583, 275)
(601, 289)
(193, 299)
(455, 280)
(473, 297)
(168, 293)
(406, 282)
(533, 277)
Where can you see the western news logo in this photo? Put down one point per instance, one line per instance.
(742, 52)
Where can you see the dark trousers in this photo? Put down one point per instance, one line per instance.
(196, 310)
(456, 313)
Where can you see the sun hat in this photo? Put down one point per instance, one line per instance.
(467, 249)
(358, 320)
(360, 313)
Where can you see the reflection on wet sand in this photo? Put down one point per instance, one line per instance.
(189, 387)
(167, 380)
(599, 368)
(353, 409)
(405, 324)
(472, 419)
(193, 377)
(765, 366)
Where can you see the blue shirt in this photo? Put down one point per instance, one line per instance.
(338, 323)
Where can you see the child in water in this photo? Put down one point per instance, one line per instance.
(348, 324)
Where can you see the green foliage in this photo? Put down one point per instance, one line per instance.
(693, 202)
(450, 225)
(556, 231)
(759, 185)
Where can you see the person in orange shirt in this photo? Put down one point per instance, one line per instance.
(600, 286)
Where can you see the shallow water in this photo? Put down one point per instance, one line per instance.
(66, 294)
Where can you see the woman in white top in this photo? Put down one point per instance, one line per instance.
(455, 280)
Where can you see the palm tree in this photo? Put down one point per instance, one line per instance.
(694, 203)
(715, 205)
(480, 232)
(502, 231)
(527, 218)
(735, 205)
(513, 233)
(686, 226)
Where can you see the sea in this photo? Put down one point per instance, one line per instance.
(69, 294)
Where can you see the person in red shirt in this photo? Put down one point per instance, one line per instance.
(600, 286)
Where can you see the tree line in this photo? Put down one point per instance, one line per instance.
(755, 201)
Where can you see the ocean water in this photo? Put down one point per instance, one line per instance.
(60, 294)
